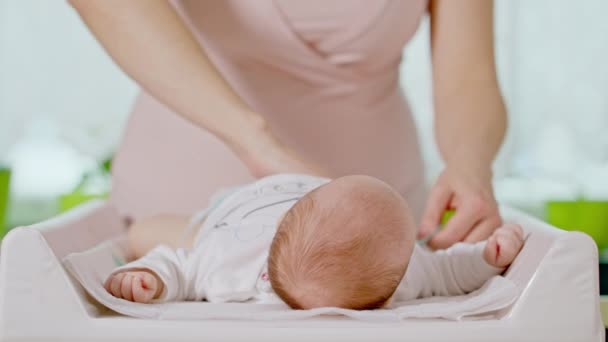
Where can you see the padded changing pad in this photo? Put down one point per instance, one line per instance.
(91, 267)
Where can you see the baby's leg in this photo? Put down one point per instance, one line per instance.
(146, 233)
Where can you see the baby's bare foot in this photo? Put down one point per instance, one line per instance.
(504, 245)
(135, 286)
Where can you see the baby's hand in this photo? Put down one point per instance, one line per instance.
(136, 286)
(504, 245)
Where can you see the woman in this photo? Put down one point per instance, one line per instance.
(312, 86)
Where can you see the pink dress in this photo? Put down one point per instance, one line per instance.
(325, 74)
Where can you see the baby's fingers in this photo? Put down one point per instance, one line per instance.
(141, 294)
(515, 229)
(509, 245)
(115, 284)
(125, 287)
(491, 250)
(108, 284)
(510, 240)
(148, 280)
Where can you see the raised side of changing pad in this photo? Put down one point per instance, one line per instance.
(37, 297)
(38, 301)
(562, 291)
(82, 227)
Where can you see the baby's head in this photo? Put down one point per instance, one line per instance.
(346, 244)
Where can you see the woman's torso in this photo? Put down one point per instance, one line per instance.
(326, 76)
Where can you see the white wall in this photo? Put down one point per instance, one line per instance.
(52, 69)
(552, 58)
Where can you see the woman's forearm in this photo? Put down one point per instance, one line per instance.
(149, 41)
(470, 124)
(469, 110)
(470, 121)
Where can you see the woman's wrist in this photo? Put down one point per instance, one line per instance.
(252, 140)
(245, 132)
(471, 167)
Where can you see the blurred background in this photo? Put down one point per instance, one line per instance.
(63, 106)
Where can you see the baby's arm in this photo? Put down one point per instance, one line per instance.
(149, 232)
(164, 274)
(461, 268)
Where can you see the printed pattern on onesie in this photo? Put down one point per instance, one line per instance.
(255, 209)
(244, 224)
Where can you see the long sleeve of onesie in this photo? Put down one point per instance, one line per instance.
(228, 262)
(175, 269)
(216, 272)
(457, 270)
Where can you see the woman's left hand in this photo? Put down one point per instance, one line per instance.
(470, 194)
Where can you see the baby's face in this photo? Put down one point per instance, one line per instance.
(353, 230)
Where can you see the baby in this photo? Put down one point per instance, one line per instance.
(311, 242)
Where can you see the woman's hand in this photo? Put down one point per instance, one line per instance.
(470, 194)
(470, 120)
(279, 159)
(149, 35)
(264, 155)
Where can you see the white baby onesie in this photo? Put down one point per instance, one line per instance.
(228, 260)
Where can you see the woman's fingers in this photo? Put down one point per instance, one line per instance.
(437, 203)
(457, 228)
(483, 230)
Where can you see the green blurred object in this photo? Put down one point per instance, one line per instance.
(107, 165)
(71, 200)
(93, 185)
(446, 216)
(5, 177)
(590, 217)
(444, 219)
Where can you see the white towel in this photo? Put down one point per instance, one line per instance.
(91, 268)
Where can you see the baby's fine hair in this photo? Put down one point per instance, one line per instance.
(350, 254)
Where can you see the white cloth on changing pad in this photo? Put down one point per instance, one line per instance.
(228, 264)
(90, 268)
